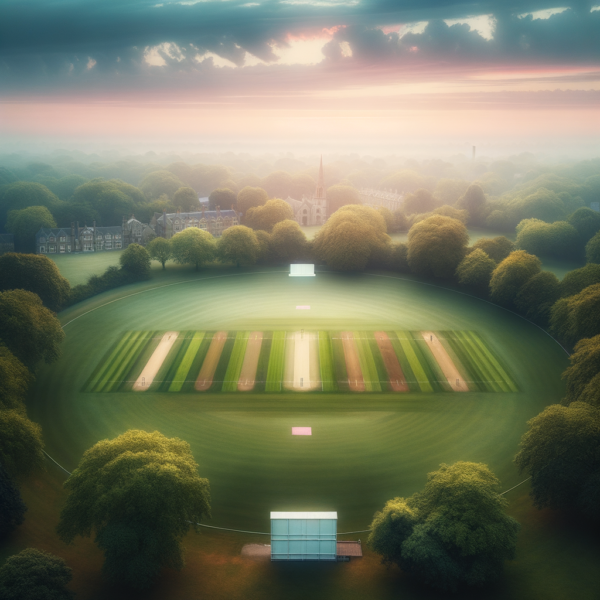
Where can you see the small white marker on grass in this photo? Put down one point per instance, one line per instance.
(301, 430)
(303, 307)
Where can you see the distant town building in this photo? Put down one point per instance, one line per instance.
(7, 242)
(78, 239)
(389, 199)
(311, 210)
(214, 221)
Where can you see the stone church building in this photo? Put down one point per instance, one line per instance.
(311, 210)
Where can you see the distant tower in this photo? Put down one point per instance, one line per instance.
(320, 191)
(473, 152)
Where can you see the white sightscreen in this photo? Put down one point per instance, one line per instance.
(302, 270)
(303, 539)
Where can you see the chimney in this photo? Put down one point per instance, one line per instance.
(473, 152)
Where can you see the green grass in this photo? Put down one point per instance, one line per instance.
(413, 356)
(365, 448)
(367, 364)
(328, 378)
(172, 361)
(236, 360)
(184, 366)
(276, 362)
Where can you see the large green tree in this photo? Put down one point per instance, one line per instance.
(35, 575)
(577, 317)
(267, 216)
(22, 194)
(513, 272)
(288, 242)
(37, 274)
(186, 199)
(585, 365)
(436, 246)
(249, 197)
(473, 201)
(454, 532)
(12, 507)
(20, 443)
(537, 296)
(238, 245)
(278, 184)
(157, 183)
(577, 280)
(350, 237)
(25, 223)
(559, 239)
(29, 330)
(475, 271)
(592, 250)
(561, 452)
(139, 493)
(223, 198)
(497, 248)
(135, 261)
(160, 249)
(193, 246)
(341, 195)
(15, 379)
(587, 223)
(420, 201)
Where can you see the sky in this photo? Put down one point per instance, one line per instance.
(351, 73)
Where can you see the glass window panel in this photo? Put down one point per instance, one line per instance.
(279, 527)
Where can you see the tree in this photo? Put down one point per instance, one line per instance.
(548, 239)
(239, 245)
(222, 197)
(288, 241)
(577, 280)
(436, 246)
(193, 246)
(592, 250)
(473, 201)
(399, 258)
(388, 217)
(591, 392)
(350, 237)
(29, 330)
(20, 443)
(585, 365)
(160, 182)
(35, 575)
(537, 296)
(37, 274)
(404, 181)
(497, 248)
(511, 274)
(186, 199)
(12, 507)
(448, 191)
(14, 381)
(587, 223)
(140, 493)
(421, 201)
(341, 195)
(22, 194)
(267, 216)
(278, 184)
(135, 260)
(265, 254)
(249, 197)
(160, 249)
(454, 532)
(475, 270)
(561, 452)
(577, 317)
(25, 223)
(454, 213)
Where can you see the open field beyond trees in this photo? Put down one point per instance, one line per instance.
(365, 448)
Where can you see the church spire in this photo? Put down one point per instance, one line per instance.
(320, 191)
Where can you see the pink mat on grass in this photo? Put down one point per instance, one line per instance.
(301, 430)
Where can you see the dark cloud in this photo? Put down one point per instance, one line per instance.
(45, 45)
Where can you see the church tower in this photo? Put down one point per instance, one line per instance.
(320, 191)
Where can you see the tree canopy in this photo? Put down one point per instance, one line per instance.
(29, 330)
(186, 199)
(157, 183)
(578, 316)
(585, 364)
(587, 223)
(23, 194)
(537, 296)
(222, 197)
(473, 201)
(436, 246)
(497, 248)
(25, 223)
(14, 381)
(20, 443)
(508, 277)
(577, 280)
(160, 249)
(341, 195)
(561, 452)
(35, 575)
(559, 239)
(592, 250)
(475, 270)
(139, 493)
(12, 507)
(420, 201)
(265, 217)
(454, 532)
(35, 273)
(288, 241)
(135, 261)
(249, 197)
(239, 245)
(193, 246)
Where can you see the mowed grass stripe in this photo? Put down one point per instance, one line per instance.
(490, 378)
(493, 361)
(465, 374)
(117, 360)
(140, 363)
(236, 360)
(339, 361)
(276, 362)
(416, 360)
(219, 376)
(183, 368)
(167, 370)
(411, 378)
(430, 365)
(326, 363)
(367, 363)
(120, 375)
(107, 361)
(382, 374)
(475, 373)
(197, 362)
(263, 362)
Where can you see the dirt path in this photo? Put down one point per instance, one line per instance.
(355, 376)
(250, 364)
(144, 381)
(209, 366)
(305, 352)
(390, 360)
(451, 373)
